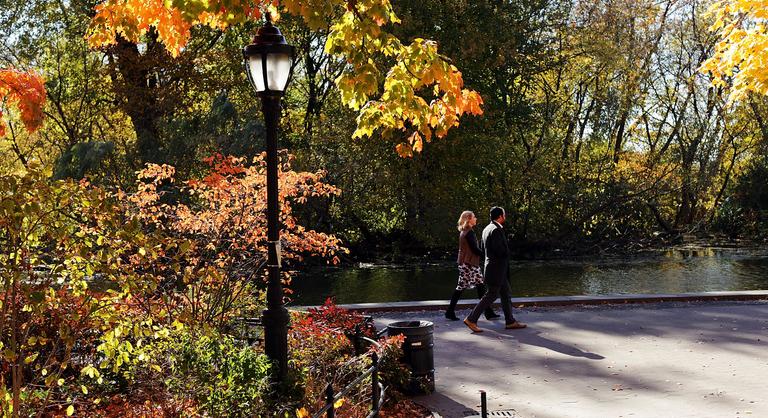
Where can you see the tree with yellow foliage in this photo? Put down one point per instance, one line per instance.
(423, 94)
(741, 53)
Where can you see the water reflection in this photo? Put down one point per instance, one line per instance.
(679, 271)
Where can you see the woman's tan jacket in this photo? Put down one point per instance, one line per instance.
(469, 251)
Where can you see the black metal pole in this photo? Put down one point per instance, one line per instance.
(329, 401)
(483, 405)
(375, 394)
(275, 317)
(358, 341)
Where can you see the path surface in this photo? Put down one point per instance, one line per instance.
(678, 359)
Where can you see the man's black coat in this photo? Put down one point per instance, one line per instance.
(496, 254)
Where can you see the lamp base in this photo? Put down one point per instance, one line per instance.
(276, 339)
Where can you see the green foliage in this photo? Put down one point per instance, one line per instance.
(573, 95)
(223, 376)
(56, 237)
(594, 129)
(192, 136)
(747, 210)
(730, 219)
(82, 158)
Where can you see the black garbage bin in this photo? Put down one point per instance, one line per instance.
(417, 352)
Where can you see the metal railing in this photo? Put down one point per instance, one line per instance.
(378, 390)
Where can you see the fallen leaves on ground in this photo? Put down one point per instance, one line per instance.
(405, 409)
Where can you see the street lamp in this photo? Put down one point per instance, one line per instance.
(269, 63)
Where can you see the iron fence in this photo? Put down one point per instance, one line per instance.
(378, 390)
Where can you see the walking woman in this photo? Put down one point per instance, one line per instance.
(470, 273)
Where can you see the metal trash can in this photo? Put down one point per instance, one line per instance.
(418, 353)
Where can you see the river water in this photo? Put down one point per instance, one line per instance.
(670, 271)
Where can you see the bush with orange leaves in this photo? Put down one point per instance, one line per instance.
(216, 245)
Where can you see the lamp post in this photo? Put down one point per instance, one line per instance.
(269, 63)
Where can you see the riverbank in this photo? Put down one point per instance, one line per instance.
(404, 253)
(678, 359)
(584, 300)
(685, 270)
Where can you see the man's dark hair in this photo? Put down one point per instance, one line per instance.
(496, 212)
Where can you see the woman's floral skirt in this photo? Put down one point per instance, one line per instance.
(469, 276)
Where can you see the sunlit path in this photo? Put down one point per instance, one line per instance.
(654, 360)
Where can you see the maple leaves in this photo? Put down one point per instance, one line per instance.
(400, 107)
(419, 97)
(27, 91)
(742, 51)
(173, 20)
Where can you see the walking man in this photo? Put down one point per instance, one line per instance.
(495, 273)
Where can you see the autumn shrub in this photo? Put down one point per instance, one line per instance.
(124, 304)
(91, 278)
(323, 353)
(217, 223)
(344, 320)
(221, 375)
(55, 238)
(392, 372)
(315, 350)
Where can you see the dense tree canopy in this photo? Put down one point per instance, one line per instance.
(356, 34)
(601, 121)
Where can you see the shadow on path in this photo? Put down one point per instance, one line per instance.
(445, 406)
(532, 337)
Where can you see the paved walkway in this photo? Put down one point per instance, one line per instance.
(672, 359)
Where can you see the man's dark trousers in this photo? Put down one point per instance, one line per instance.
(490, 296)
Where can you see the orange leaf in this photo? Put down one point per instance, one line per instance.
(404, 150)
(26, 89)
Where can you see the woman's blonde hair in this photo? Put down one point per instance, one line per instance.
(464, 220)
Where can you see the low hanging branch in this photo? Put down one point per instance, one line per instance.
(423, 94)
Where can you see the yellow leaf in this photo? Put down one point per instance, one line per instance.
(84, 389)
(302, 413)
(70, 410)
(338, 403)
(416, 142)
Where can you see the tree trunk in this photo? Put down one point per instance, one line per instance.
(139, 100)
(620, 136)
